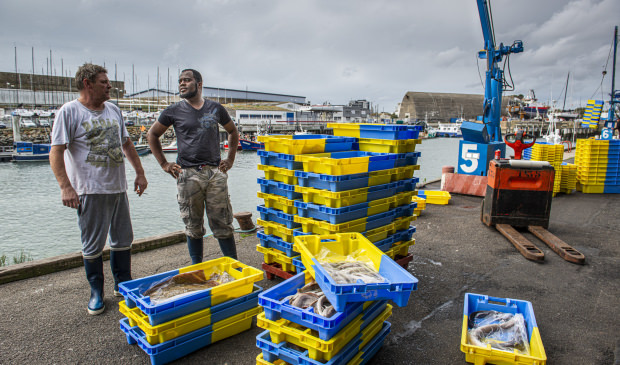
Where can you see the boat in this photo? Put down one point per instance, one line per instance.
(30, 152)
(450, 130)
(532, 109)
(247, 145)
(172, 147)
(142, 148)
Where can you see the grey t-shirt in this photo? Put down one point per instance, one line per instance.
(94, 156)
(198, 138)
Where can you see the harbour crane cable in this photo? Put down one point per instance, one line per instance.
(479, 75)
(600, 86)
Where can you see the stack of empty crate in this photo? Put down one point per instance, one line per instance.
(279, 189)
(598, 166)
(358, 327)
(552, 153)
(170, 329)
(569, 178)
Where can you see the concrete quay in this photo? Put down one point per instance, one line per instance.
(577, 307)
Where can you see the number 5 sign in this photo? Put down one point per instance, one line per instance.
(474, 157)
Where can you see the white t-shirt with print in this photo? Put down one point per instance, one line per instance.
(94, 157)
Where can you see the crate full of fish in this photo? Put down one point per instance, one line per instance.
(350, 268)
(181, 346)
(283, 330)
(166, 331)
(355, 162)
(341, 199)
(379, 131)
(306, 143)
(500, 330)
(357, 351)
(355, 181)
(351, 212)
(273, 241)
(176, 293)
(301, 301)
(278, 188)
(277, 216)
(283, 160)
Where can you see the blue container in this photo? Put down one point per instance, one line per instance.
(279, 160)
(276, 307)
(403, 235)
(389, 131)
(273, 351)
(299, 266)
(278, 216)
(278, 188)
(271, 241)
(406, 159)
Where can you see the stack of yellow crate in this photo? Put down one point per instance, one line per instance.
(569, 178)
(554, 154)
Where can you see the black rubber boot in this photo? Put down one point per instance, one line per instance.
(120, 262)
(228, 247)
(94, 275)
(195, 246)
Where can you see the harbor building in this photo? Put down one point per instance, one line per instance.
(441, 107)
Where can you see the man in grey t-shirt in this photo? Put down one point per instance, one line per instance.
(88, 141)
(202, 180)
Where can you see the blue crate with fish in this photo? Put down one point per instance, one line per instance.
(277, 216)
(364, 346)
(341, 199)
(349, 268)
(279, 160)
(166, 331)
(519, 341)
(354, 162)
(377, 131)
(158, 295)
(272, 241)
(278, 188)
(283, 330)
(176, 348)
(277, 303)
(306, 143)
(402, 235)
(337, 183)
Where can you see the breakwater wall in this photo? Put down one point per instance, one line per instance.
(42, 135)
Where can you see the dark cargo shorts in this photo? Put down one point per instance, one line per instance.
(201, 190)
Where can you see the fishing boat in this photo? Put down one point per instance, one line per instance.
(450, 130)
(247, 145)
(30, 152)
(172, 147)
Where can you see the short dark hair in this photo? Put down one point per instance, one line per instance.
(196, 74)
(87, 71)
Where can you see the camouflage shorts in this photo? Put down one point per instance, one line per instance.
(201, 190)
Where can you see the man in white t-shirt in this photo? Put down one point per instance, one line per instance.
(89, 139)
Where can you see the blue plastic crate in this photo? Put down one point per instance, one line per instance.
(405, 159)
(403, 235)
(347, 213)
(364, 348)
(271, 241)
(275, 307)
(299, 266)
(279, 160)
(398, 284)
(278, 188)
(176, 348)
(278, 216)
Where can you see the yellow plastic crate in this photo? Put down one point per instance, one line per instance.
(388, 145)
(261, 361)
(592, 188)
(286, 144)
(276, 229)
(178, 327)
(421, 203)
(321, 163)
(403, 223)
(400, 248)
(279, 174)
(278, 202)
(309, 225)
(332, 199)
(318, 349)
(380, 233)
(437, 197)
(272, 255)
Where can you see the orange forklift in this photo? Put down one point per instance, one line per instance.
(519, 194)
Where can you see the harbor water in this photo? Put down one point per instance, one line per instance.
(35, 222)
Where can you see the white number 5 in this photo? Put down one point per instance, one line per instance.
(468, 153)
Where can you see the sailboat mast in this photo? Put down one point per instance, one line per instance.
(565, 91)
(612, 111)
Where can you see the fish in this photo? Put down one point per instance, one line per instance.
(311, 296)
(185, 283)
(349, 272)
(510, 327)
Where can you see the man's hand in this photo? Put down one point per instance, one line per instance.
(140, 184)
(172, 168)
(69, 197)
(225, 165)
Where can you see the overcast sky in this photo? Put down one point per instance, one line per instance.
(325, 50)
